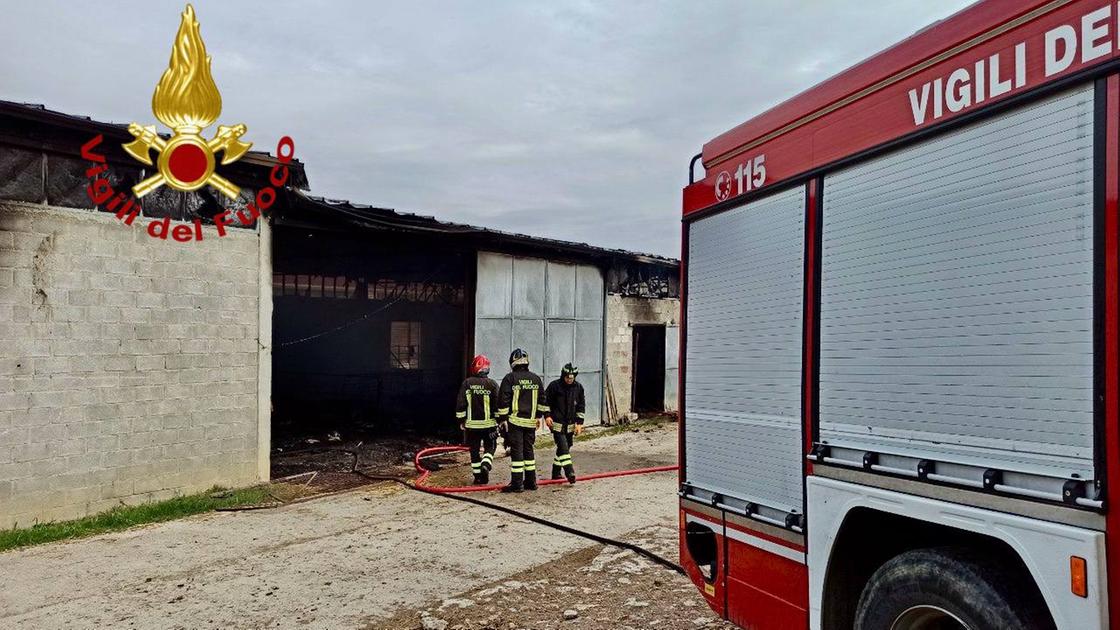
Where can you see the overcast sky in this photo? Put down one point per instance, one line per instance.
(566, 119)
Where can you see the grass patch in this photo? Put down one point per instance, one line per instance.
(126, 516)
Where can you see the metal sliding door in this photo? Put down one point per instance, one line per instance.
(552, 310)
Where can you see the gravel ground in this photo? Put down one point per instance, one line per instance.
(350, 560)
(597, 587)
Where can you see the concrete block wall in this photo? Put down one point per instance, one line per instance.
(129, 365)
(623, 313)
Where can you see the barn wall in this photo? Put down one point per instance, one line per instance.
(129, 365)
(623, 313)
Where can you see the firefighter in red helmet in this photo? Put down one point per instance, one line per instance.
(477, 414)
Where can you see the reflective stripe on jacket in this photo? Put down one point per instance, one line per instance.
(521, 398)
(478, 399)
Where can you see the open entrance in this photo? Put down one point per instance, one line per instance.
(649, 369)
(368, 343)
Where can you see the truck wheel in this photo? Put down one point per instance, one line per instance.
(949, 589)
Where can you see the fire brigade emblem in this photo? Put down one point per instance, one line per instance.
(723, 186)
(187, 101)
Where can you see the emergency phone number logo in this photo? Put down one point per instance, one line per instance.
(749, 175)
(187, 101)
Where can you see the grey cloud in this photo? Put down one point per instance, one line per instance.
(570, 119)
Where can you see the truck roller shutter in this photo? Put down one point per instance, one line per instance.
(957, 296)
(743, 352)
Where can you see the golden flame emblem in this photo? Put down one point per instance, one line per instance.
(187, 100)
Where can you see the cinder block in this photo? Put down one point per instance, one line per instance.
(31, 451)
(149, 363)
(14, 401)
(108, 314)
(117, 363)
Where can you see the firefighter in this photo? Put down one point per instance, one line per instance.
(478, 399)
(564, 397)
(521, 405)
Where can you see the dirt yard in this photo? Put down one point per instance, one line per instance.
(596, 587)
(378, 557)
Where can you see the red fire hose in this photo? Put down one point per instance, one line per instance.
(451, 493)
(436, 450)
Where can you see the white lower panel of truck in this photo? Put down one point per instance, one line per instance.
(743, 355)
(957, 296)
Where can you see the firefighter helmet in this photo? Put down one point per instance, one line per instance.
(518, 357)
(569, 369)
(480, 366)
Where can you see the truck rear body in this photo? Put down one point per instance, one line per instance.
(901, 297)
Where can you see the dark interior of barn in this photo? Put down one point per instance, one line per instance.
(369, 333)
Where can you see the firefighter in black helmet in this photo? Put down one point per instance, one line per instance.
(476, 412)
(521, 405)
(564, 397)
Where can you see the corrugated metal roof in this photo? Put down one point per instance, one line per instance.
(387, 219)
(40, 113)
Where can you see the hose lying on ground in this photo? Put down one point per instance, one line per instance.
(438, 450)
(448, 494)
(454, 493)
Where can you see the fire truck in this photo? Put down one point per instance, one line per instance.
(900, 377)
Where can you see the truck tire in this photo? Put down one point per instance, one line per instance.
(949, 589)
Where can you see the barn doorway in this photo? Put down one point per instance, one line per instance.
(368, 337)
(649, 369)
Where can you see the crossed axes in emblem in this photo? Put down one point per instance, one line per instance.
(226, 141)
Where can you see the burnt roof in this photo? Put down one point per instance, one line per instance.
(32, 125)
(308, 211)
(36, 127)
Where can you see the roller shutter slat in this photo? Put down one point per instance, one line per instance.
(743, 353)
(957, 295)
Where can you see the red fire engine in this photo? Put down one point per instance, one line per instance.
(900, 377)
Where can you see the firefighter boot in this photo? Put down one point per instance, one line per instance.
(530, 479)
(478, 480)
(484, 477)
(570, 471)
(515, 483)
(556, 472)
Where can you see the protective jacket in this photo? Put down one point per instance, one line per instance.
(521, 398)
(478, 403)
(565, 405)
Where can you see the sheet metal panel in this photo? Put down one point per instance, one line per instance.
(529, 278)
(743, 352)
(513, 297)
(528, 334)
(561, 290)
(561, 346)
(957, 295)
(589, 346)
(589, 293)
(494, 285)
(492, 337)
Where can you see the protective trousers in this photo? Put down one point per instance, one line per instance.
(483, 443)
(522, 465)
(563, 459)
